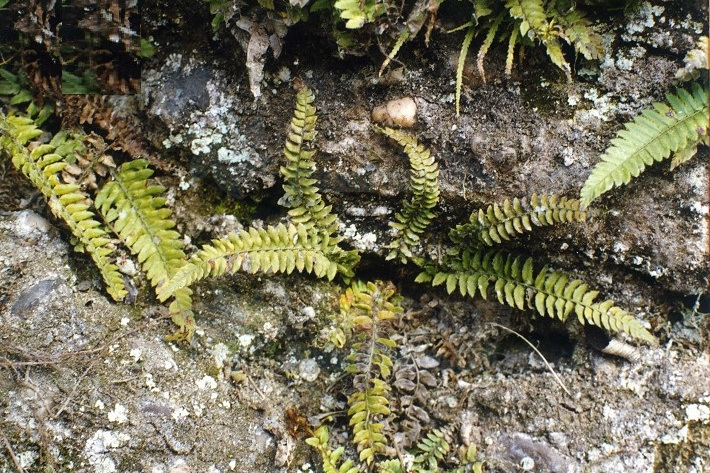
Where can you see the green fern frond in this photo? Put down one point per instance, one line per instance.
(401, 39)
(365, 407)
(390, 466)
(497, 223)
(41, 164)
(651, 136)
(465, 45)
(330, 458)
(356, 12)
(137, 214)
(432, 449)
(531, 13)
(302, 195)
(369, 308)
(487, 42)
(549, 293)
(417, 213)
(279, 249)
(578, 32)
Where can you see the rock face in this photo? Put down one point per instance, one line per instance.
(90, 385)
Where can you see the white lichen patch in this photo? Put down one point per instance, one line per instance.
(697, 413)
(643, 17)
(118, 414)
(220, 353)
(308, 370)
(179, 413)
(245, 340)
(207, 382)
(98, 448)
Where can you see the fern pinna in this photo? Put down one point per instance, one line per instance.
(301, 194)
(417, 213)
(41, 164)
(549, 293)
(502, 222)
(330, 458)
(652, 136)
(137, 214)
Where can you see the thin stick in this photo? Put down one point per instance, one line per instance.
(557, 378)
(12, 454)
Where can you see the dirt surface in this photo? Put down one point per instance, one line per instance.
(89, 385)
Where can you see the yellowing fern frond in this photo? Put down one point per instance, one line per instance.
(651, 136)
(279, 249)
(41, 164)
(549, 293)
(497, 223)
(302, 195)
(137, 214)
(417, 213)
(330, 458)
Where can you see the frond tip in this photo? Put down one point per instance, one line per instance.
(549, 293)
(424, 184)
(502, 222)
(651, 136)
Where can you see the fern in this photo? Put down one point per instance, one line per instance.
(651, 136)
(549, 293)
(302, 196)
(374, 304)
(356, 12)
(279, 249)
(497, 223)
(137, 214)
(40, 164)
(423, 181)
(432, 449)
(330, 458)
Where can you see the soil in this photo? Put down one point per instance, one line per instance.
(89, 385)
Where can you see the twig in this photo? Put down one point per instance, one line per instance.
(557, 378)
(12, 454)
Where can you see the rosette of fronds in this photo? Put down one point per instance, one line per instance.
(496, 223)
(358, 12)
(676, 128)
(373, 306)
(42, 164)
(549, 293)
(137, 213)
(302, 196)
(417, 212)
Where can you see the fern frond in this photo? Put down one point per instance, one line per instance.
(531, 14)
(401, 39)
(330, 458)
(487, 42)
(432, 449)
(417, 213)
(136, 211)
(549, 293)
(302, 195)
(279, 249)
(369, 307)
(651, 136)
(579, 33)
(390, 466)
(465, 45)
(497, 223)
(357, 12)
(41, 164)
(137, 214)
(365, 407)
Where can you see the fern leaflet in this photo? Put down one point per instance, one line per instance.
(41, 165)
(549, 293)
(330, 458)
(432, 449)
(497, 223)
(651, 136)
(423, 181)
